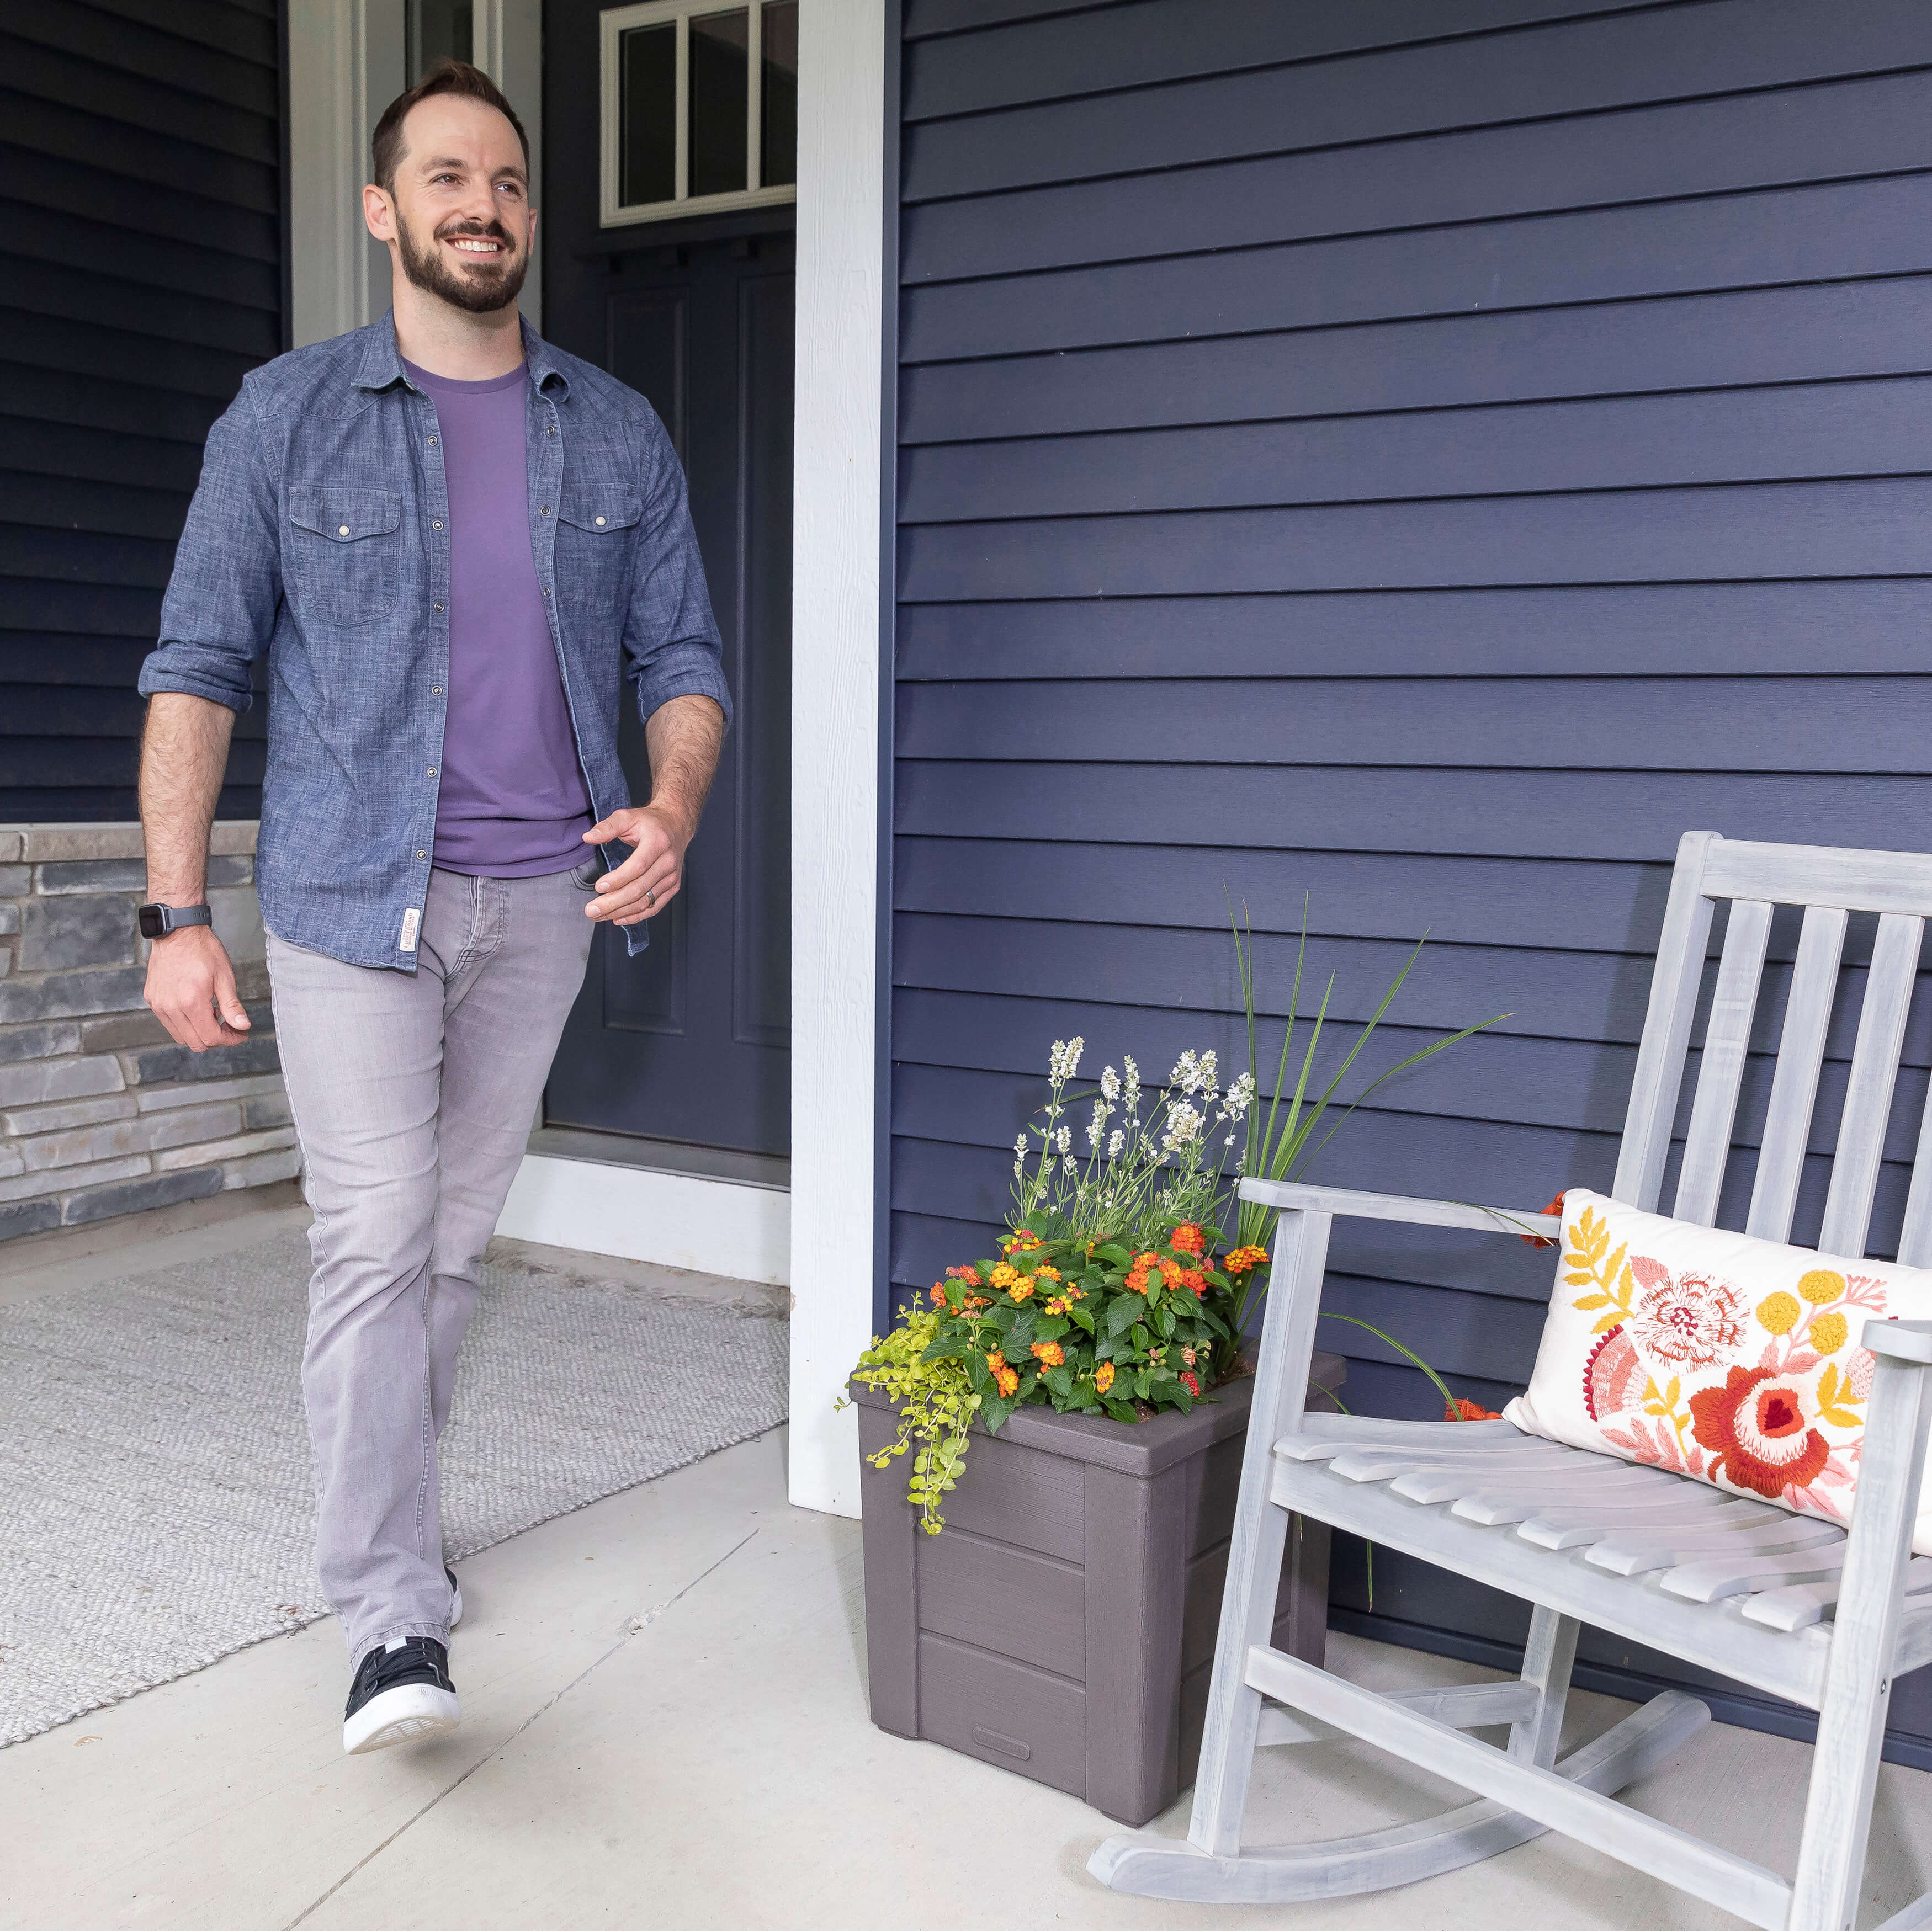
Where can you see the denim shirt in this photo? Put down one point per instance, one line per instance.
(319, 535)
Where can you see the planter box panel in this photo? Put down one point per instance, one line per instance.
(1013, 1601)
(1003, 1712)
(1019, 1497)
(1063, 1625)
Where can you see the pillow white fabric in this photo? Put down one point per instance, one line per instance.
(1713, 1355)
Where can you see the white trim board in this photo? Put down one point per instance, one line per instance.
(678, 1220)
(834, 714)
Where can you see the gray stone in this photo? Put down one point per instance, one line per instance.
(21, 1121)
(58, 1179)
(37, 1042)
(262, 1169)
(11, 1162)
(112, 1138)
(92, 874)
(137, 1196)
(90, 838)
(63, 994)
(236, 835)
(10, 918)
(256, 1055)
(16, 881)
(125, 1030)
(237, 1149)
(271, 1109)
(12, 843)
(238, 920)
(6, 961)
(32, 1081)
(58, 933)
(252, 982)
(189, 1126)
(205, 1093)
(27, 1216)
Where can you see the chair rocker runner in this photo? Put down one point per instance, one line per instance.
(1788, 1603)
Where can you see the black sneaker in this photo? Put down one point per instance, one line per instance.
(401, 1691)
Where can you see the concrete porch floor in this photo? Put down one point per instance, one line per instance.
(665, 1725)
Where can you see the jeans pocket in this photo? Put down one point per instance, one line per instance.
(585, 875)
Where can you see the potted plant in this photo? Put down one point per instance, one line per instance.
(1062, 1625)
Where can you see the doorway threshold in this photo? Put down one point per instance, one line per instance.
(772, 1170)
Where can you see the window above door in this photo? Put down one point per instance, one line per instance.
(700, 108)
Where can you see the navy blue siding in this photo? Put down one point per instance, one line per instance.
(1413, 459)
(141, 278)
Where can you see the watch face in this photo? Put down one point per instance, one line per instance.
(153, 923)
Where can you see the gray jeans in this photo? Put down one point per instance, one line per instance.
(412, 1099)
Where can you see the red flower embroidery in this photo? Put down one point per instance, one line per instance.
(1755, 1425)
(1613, 1378)
(1691, 1319)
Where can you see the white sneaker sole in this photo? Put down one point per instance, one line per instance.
(400, 1715)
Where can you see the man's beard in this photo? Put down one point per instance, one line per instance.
(485, 288)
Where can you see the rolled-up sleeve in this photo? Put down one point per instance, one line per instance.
(671, 646)
(219, 612)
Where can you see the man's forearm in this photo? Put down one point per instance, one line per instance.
(683, 736)
(184, 754)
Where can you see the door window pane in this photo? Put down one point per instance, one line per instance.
(777, 118)
(647, 114)
(720, 87)
(438, 30)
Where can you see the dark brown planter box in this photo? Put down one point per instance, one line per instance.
(1062, 1625)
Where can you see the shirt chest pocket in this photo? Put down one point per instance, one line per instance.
(594, 530)
(340, 554)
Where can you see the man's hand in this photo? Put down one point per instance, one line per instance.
(190, 990)
(648, 880)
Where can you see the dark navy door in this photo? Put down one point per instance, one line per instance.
(690, 1041)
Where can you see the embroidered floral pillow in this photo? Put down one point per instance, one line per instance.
(1714, 1354)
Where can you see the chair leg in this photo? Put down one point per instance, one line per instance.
(1864, 1635)
(1547, 1660)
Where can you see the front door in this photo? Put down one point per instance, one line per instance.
(690, 1042)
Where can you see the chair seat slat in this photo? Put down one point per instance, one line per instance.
(1383, 1465)
(1711, 1577)
(1636, 1552)
(1597, 1522)
(1799, 1604)
(1534, 1488)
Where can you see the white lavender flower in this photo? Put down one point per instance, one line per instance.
(1102, 1113)
(1241, 1097)
(1131, 1087)
(1019, 1145)
(1115, 1141)
(1183, 1127)
(1110, 1083)
(1064, 1061)
(1063, 1140)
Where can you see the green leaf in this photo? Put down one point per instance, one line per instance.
(1140, 1337)
(977, 1369)
(1182, 1399)
(993, 1414)
(1050, 1327)
(1163, 1323)
(1122, 1313)
(1060, 1380)
(1142, 1382)
(1081, 1318)
(1120, 1411)
(947, 1347)
(1112, 1251)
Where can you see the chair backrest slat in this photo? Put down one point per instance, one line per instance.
(1794, 1087)
(1888, 988)
(1666, 1028)
(1915, 1237)
(1707, 1146)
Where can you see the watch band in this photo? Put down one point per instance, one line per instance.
(157, 922)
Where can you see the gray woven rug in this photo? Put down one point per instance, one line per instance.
(155, 1507)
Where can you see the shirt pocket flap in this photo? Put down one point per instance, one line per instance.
(343, 516)
(600, 511)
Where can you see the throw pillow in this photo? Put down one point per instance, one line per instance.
(1713, 1355)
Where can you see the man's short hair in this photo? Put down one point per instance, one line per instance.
(446, 76)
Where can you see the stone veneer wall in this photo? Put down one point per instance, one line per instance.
(101, 1112)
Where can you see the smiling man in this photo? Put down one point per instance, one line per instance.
(454, 545)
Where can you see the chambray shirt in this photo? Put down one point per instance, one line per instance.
(320, 535)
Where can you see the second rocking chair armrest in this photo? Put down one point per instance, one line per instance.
(1902, 1340)
(1292, 1195)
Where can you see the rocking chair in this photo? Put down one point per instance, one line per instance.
(1788, 1604)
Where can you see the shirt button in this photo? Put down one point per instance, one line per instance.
(436, 690)
(546, 593)
(546, 510)
(551, 430)
(600, 523)
(432, 771)
(438, 607)
(342, 529)
(422, 854)
(437, 526)
(432, 444)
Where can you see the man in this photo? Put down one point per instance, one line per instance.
(449, 539)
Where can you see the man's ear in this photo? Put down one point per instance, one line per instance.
(379, 213)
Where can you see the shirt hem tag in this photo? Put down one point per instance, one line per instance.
(412, 919)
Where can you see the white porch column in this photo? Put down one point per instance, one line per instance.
(842, 150)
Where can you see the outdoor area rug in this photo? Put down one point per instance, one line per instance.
(155, 1507)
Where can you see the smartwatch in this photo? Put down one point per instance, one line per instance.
(157, 922)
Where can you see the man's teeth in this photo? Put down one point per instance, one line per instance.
(478, 248)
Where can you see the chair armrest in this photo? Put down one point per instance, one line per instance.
(1289, 1194)
(1909, 1341)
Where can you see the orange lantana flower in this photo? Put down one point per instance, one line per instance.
(1050, 1353)
(1008, 1379)
(1005, 1274)
(1188, 1239)
(1103, 1376)
(1242, 1259)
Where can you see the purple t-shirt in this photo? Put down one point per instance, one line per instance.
(511, 802)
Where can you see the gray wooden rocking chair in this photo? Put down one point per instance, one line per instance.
(1788, 1604)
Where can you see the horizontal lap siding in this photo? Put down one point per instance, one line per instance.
(1411, 462)
(141, 278)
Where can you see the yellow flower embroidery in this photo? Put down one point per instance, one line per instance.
(1777, 1313)
(1821, 1287)
(1828, 1333)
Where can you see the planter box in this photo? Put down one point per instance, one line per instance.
(1062, 1625)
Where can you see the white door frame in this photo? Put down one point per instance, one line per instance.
(345, 61)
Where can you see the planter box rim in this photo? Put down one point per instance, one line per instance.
(1143, 1448)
